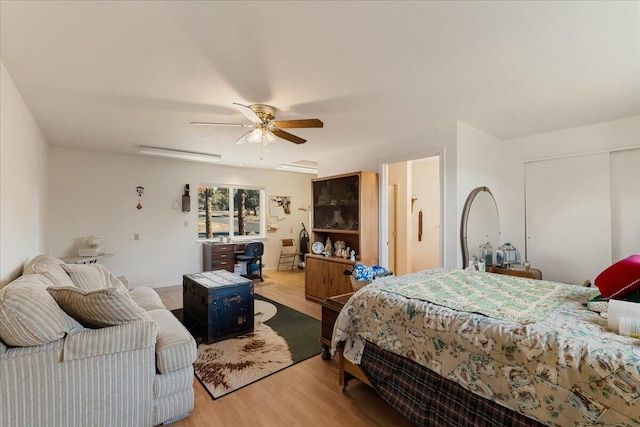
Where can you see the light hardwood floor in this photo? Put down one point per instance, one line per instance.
(306, 394)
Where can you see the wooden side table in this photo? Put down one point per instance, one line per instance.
(330, 309)
(529, 273)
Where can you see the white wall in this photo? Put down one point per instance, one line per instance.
(596, 138)
(371, 156)
(486, 160)
(94, 193)
(481, 163)
(23, 177)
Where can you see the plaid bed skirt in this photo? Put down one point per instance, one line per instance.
(428, 399)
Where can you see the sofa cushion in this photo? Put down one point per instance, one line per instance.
(146, 298)
(50, 267)
(91, 276)
(98, 308)
(175, 347)
(29, 316)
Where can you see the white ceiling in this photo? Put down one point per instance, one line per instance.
(114, 75)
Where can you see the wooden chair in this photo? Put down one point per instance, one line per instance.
(288, 253)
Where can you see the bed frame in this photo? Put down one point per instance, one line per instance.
(433, 400)
(349, 371)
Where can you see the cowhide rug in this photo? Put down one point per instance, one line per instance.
(228, 365)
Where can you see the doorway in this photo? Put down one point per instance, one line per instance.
(411, 231)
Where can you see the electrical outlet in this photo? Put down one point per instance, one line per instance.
(136, 236)
(186, 223)
(291, 230)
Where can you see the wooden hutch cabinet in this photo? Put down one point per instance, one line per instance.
(344, 208)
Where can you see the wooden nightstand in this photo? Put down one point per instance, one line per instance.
(330, 309)
(530, 273)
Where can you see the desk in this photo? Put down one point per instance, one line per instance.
(84, 259)
(220, 255)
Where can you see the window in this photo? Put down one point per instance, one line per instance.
(230, 211)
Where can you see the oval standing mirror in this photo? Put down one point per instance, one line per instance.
(480, 223)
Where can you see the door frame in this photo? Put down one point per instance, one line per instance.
(383, 213)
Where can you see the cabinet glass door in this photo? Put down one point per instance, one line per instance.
(335, 204)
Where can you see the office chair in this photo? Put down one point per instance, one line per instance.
(252, 255)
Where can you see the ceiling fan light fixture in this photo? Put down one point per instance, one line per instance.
(256, 135)
(266, 129)
(269, 138)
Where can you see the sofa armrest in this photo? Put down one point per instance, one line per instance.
(175, 347)
(114, 339)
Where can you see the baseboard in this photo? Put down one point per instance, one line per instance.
(164, 285)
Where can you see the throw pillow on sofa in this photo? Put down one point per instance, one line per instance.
(29, 316)
(90, 277)
(51, 267)
(98, 308)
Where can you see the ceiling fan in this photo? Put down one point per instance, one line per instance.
(265, 128)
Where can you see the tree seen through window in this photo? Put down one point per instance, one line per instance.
(222, 216)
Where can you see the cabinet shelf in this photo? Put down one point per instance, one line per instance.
(335, 231)
(344, 208)
(337, 204)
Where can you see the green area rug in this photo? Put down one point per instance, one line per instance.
(281, 338)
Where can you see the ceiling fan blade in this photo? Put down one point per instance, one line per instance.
(248, 113)
(288, 136)
(303, 123)
(243, 138)
(221, 124)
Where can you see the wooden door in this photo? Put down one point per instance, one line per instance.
(338, 283)
(314, 278)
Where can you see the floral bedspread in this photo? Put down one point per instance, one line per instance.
(497, 296)
(565, 369)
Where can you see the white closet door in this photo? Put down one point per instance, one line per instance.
(568, 217)
(625, 203)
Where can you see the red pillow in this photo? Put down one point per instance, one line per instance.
(620, 279)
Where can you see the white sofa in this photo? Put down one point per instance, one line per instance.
(135, 370)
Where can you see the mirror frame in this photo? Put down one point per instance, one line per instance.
(464, 219)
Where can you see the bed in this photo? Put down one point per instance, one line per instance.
(455, 347)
